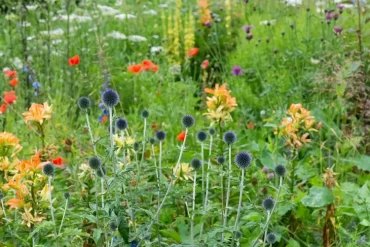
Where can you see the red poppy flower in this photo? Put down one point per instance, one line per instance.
(193, 52)
(154, 127)
(135, 68)
(58, 161)
(149, 66)
(104, 119)
(205, 64)
(10, 97)
(10, 73)
(3, 108)
(181, 136)
(74, 60)
(13, 82)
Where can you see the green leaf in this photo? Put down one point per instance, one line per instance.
(171, 234)
(318, 197)
(253, 216)
(293, 243)
(365, 222)
(361, 161)
(43, 225)
(97, 234)
(123, 228)
(267, 160)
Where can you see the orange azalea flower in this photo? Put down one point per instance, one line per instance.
(135, 68)
(16, 184)
(181, 136)
(218, 91)
(10, 73)
(3, 108)
(58, 161)
(38, 113)
(193, 52)
(15, 203)
(75, 60)
(205, 64)
(13, 82)
(10, 97)
(9, 144)
(30, 165)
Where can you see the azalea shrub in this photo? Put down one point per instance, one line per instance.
(184, 123)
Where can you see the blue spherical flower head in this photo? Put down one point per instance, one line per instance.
(121, 124)
(212, 131)
(280, 170)
(201, 136)
(271, 238)
(221, 160)
(243, 159)
(187, 121)
(113, 226)
(229, 137)
(268, 204)
(84, 103)
(110, 98)
(48, 169)
(144, 113)
(196, 163)
(161, 135)
(95, 163)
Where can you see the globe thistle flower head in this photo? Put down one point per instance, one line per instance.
(101, 172)
(271, 238)
(196, 163)
(84, 103)
(268, 204)
(221, 160)
(243, 159)
(161, 135)
(110, 98)
(212, 131)
(201, 136)
(67, 195)
(238, 234)
(113, 226)
(95, 163)
(121, 124)
(152, 141)
(48, 169)
(144, 113)
(229, 137)
(280, 170)
(187, 121)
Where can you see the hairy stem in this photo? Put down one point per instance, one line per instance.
(239, 206)
(193, 209)
(64, 214)
(227, 195)
(51, 205)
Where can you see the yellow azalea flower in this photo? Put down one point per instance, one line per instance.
(9, 144)
(38, 113)
(183, 172)
(29, 219)
(44, 193)
(5, 164)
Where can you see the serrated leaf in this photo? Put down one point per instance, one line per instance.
(318, 197)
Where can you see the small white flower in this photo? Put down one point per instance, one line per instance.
(137, 38)
(17, 63)
(155, 36)
(262, 113)
(294, 2)
(31, 7)
(56, 32)
(320, 3)
(93, 29)
(1, 53)
(30, 38)
(314, 61)
(107, 11)
(73, 18)
(124, 16)
(163, 5)
(150, 12)
(266, 22)
(118, 3)
(319, 10)
(57, 41)
(156, 49)
(116, 35)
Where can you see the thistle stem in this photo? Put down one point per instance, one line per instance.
(172, 182)
(2, 205)
(266, 229)
(64, 214)
(203, 184)
(227, 195)
(91, 134)
(51, 205)
(239, 207)
(193, 210)
(158, 185)
(112, 154)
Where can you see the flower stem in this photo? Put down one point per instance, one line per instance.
(239, 207)
(266, 228)
(51, 205)
(203, 184)
(91, 134)
(112, 154)
(64, 214)
(227, 195)
(2, 205)
(158, 185)
(193, 210)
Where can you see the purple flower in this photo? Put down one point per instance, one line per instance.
(340, 7)
(337, 30)
(270, 176)
(328, 16)
(249, 36)
(247, 28)
(207, 24)
(265, 169)
(237, 71)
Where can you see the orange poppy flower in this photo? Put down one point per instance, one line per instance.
(193, 52)
(104, 119)
(135, 68)
(181, 136)
(58, 161)
(10, 73)
(13, 82)
(10, 97)
(3, 108)
(149, 66)
(205, 64)
(75, 60)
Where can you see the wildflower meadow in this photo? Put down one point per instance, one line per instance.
(185, 123)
